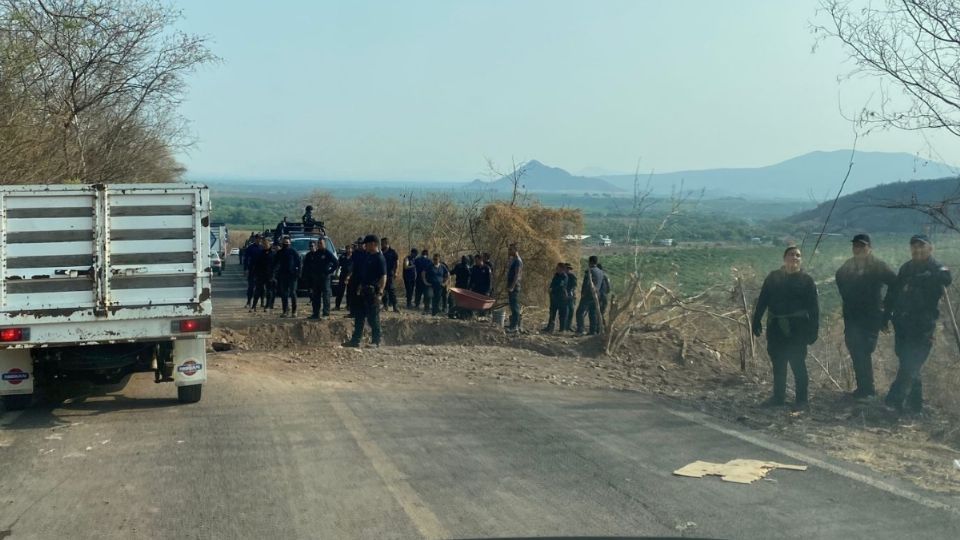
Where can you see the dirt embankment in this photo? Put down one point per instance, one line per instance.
(921, 449)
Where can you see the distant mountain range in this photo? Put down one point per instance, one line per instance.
(537, 177)
(868, 210)
(816, 175)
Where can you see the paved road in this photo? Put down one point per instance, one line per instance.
(265, 456)
(270, 455)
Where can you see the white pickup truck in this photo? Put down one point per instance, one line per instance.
(98, 282)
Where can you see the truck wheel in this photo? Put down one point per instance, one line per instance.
(189, 394)
(17, 402)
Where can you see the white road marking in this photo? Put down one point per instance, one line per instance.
(701, 419)
(420, 514)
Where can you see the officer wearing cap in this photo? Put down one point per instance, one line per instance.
(287, 271)
(393, 263)
(912, 304)
(861, 281)
(370, 276)
(318, 267)
(359, 253)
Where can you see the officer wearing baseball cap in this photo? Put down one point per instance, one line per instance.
(861, 281)
(371, 277)
(913, 306)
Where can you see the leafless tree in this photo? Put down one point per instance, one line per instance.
(910, 45)
(515, 176)
(103, 79)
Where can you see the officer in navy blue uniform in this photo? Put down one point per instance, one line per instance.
(393, 261)
(861, 281)
(319, 266)
(287, 271)
(370, 275)
(913, 306)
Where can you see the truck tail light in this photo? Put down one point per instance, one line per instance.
(8, 335)
(187, 326)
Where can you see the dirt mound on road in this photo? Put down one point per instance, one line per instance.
(253, 335)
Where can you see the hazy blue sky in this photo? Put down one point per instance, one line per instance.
(426, 89)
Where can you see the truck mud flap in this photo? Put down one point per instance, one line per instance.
(189, 361)
(16, 372)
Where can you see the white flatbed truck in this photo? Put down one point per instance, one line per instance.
(98, 282)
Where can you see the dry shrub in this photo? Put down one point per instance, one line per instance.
(440, 223)
(538, 232)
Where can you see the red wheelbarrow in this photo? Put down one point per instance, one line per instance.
(470, 300)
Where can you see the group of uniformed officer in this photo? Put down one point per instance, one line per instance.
(594, 292)
(789, 297)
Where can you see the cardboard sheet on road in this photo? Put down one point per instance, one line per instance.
(740, 471)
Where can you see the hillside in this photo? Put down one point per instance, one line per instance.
(541, 178)
(817, 175)
(865, 210)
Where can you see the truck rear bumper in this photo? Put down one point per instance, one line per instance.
(57, 334)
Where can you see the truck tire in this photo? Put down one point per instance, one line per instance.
(17, 402)
(189, 394)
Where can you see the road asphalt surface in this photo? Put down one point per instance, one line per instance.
(271, 454)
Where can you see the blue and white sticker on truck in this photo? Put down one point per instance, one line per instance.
(15, 376)
(190, 368)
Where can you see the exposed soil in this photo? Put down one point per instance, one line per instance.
(921, 449)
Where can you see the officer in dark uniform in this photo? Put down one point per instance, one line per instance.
(281, 230)
(250, 256)
(571, 296)
(260, 271)
(370, 276)
(353, 299)
(793, 323)
(912, 305)
(422, 264)
(558, 298)
(435, 279)
(287, 271)
(319, 265)
(410, 276)
(346, 268)
(480, 277)
(309, 223)
(861, 281)
(514, 280)
(393, 262)
(589, 297)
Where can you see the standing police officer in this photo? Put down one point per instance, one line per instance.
(353, 299)
(912, 305)
(514, 277)
(590, 297)
(370, 276)
(319, 265)
(421, 264)
(346, 268)
(861, 280)
(558, 298)
(793, 322)
(393, 262)
(410, 276)
(287, 271)
(571, 296)
(250, 255)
